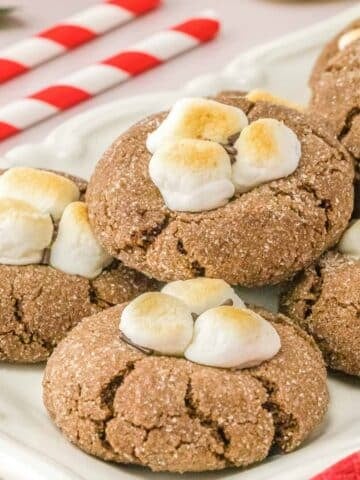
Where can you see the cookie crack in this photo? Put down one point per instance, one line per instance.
(216, 430)
(348, 123)
(107, 397)
(337, 68)
(350, 117)
(146, 237)
(26, 336)
(93, 294)
(314, 292)
(285, 423)
(95, 299)
(194, 266)
(320, 202)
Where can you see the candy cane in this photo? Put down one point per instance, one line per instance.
(68, 34)
(96, 78)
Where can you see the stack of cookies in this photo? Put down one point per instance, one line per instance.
(171, 369)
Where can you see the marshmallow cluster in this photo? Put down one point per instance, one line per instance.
(349, 37)
(224, 333)
(30, 200)
(197, 167)
(350, 241)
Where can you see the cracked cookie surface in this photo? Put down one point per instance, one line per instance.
(260, 237)
(170, 414)
(40, 304)
(325, 301)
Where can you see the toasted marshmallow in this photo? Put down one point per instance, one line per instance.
(198, 118)
(230, 337)
(349, 37)
(350, 241)
(201, 294)
(266, 150)
(24, 232)
(258, 95)
(159, 322)
(192, 175)
(46, 191)
(76, 250)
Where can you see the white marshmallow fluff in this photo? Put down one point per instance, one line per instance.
(198, 118)
(201, 294)
(192, 175)
(76, 250)
(24, 232)
(45, 191)
(157, 321)
(266, 150)
(350, 241)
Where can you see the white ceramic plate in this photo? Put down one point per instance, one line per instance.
(31, 447)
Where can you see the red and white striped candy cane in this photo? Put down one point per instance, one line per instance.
(68, 34)
(100, 76)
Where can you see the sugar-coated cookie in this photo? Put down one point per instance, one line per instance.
(247, 191)
(53, 272)
(335, 84)
(325, 301)
(171, 414)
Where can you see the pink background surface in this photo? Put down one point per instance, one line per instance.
(246, 23)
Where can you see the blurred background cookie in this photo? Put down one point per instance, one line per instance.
(53, 272)
(250, 192)
(325, 301)
(122, 403)
(335, 84)
(340, 42)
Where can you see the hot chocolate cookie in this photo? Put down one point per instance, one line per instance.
(350, 34)
(247, 191)
(144, 383)
(335, 85)
(53, 272)
(325, 301)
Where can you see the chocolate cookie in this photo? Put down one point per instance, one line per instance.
(170, 414)
(332, 48)
(259, 236)
(40, 303)
(335, 84)
(325, 301)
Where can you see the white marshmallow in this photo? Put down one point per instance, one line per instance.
(24, 232)
(159, 322)
(349, 37)
(46, 191)
(76, 250)
(350, 241)
(198, 118)
(200, 294)
(192, 175)
(230, 337)
(266, 150)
